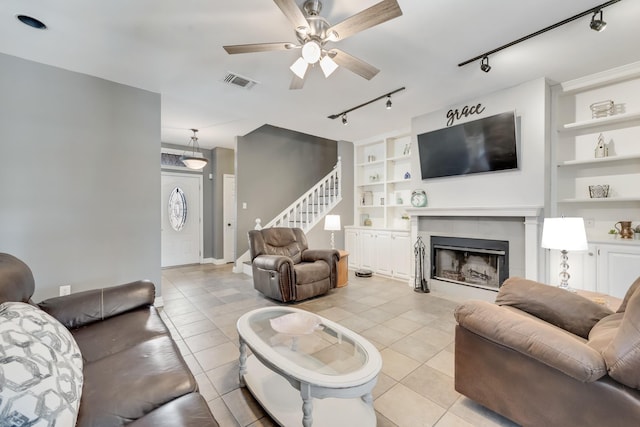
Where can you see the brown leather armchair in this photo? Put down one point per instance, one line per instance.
(542, 356)
(285, 269)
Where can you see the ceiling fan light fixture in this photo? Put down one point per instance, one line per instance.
(389, 104)
(597, 24)
(191, 160)
(299, 67)
(344, 119)
(311, 52)
(328, 65)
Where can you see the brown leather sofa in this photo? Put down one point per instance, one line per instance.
(285, 269)
(133, 372)
(542, 356)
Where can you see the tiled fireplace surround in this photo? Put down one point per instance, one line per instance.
(520, 226)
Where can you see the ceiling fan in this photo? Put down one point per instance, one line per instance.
(314, 32)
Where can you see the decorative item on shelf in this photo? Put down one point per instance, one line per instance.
(368, 222)
(399, 200)
(367, 198)
(371, 158)
(420, 283)
(564, 234)
(601, 149)
(363, 218)
(636, 234)
(602, 109)
(598, 191)
(418, 198)
(625, 230)
(407, 149)
(374, 178)
(407, 175)
(613, 233)
(381, 201)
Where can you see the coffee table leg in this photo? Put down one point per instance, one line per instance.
(307, 404)
(243, 361)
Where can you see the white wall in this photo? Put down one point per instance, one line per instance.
(79, 177)
(522, 187)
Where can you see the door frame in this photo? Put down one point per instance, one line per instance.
(232, 206)
(201, 210)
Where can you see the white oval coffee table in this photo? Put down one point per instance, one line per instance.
(304, 375)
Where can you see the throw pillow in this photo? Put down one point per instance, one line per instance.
(40, 369)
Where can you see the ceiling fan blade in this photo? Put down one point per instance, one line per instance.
(296, 83)
(257, 47)
(293, 13)
(353, 64)
(376, 14)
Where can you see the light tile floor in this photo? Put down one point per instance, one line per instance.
(413, 331)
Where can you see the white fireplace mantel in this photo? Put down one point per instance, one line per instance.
(532, 216)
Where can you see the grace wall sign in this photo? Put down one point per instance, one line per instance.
(453, 115)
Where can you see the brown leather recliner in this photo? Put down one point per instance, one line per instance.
(285, 269)
(542, 356)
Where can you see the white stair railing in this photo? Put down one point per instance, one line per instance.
(309, 209)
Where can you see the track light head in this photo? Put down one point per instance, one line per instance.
(597, 24)
(344, 119)
(484, 65)
(389, 102)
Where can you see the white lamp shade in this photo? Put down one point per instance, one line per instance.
(194, 162)
(311, 52)
(332, 222)
(328, 65)
(564, 234)
(299, 67)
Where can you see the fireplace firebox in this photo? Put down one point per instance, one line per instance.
(479, 263)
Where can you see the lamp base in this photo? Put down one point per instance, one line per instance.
(564, 274)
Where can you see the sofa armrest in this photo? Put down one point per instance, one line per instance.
(542, 342)
(331, 256)
(559, 307)
(83, 308)
(273, 262)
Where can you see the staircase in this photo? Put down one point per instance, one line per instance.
(306, 212)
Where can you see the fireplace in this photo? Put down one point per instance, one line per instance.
(479, 263)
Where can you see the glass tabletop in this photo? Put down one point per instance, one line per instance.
(308, 340)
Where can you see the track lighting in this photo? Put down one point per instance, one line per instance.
(597, 24)
(484, 65)
(343, 114)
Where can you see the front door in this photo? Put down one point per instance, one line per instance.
(181, 212)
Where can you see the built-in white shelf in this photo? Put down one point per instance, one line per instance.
(399, 158)
(601, 200)
(599, 160)
(398, 181)
(603, 121)
(375, 162)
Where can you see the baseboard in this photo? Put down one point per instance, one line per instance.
(214, 261)
(158, 302)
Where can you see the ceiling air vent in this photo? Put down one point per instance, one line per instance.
(240, 81)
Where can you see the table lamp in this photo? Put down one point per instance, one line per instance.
(564, 234)
(332, 223)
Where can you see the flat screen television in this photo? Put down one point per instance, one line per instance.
(483, 145)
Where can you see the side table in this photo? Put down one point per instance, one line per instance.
(343, 269)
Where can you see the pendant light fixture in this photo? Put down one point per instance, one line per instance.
(389, 105)
(191, 160)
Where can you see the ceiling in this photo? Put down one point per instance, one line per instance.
(175, 48)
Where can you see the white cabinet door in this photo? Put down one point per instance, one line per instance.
(352, 245)
(618, 267)
(383, 253)
(367, 249)
(401, 255)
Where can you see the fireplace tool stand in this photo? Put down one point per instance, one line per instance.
(420, 283)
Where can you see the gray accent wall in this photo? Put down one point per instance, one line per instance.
(223, 163)
(274, 167)
(79, 177)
